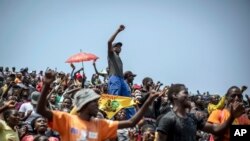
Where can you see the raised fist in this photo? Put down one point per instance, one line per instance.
(72, 66)
(11, 104)
(49, 77)
(121, 28)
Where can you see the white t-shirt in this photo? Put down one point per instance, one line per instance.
(25, 107)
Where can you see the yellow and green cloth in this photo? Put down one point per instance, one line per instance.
(112, 104)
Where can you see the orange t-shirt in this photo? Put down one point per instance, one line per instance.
(220, 116)
(72, 128)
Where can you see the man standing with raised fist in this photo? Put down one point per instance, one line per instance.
(116, 83)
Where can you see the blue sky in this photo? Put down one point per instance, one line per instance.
(203, 44)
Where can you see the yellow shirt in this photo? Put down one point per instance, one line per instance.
(4, 88)
(211, 107)
(6, 133)
(73, 111)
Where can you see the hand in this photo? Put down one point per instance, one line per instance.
(200, 115)
(29, 113)
(148, 136)
(11, 104)
(72, 66)
(132, 134)
(153, 95)
(236, 109)
(247, 97)
(49, 77)
(243, 88)
(165, 89)
(121, 28)
(22, 131)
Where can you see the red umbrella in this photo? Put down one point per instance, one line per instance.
(81, 57)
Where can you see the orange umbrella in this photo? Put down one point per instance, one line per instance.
(81, 57)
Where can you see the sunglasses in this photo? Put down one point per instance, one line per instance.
(238, 95)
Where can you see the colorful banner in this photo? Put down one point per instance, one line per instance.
(111, 104)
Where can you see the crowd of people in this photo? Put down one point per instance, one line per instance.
(38, 106)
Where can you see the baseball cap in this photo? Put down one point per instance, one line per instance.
(128, 73)
(78, 76)
(137, 87)
(84, 96)
(117, 44)
(35, 97)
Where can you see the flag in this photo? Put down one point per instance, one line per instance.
(111, 104)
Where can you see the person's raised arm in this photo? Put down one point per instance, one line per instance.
(24, 117)
(137, 117)
(41, 106)
(243, 88)
(78, 71)
(248, 99)
(83, 79)
(96, 71)
(4, 95)
(112, 38)
(72, 72)
(7, 105)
